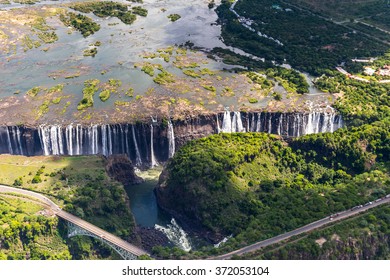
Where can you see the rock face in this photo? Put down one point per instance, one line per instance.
(121, 169)
(177, 202)
(151, 237)
(148, 143)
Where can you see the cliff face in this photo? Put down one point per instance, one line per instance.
(145, 143)
(120, 168)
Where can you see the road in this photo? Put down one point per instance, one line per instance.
(315, 225)
(77, 221)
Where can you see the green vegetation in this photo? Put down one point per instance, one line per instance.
(256, 186)
(148, 69)
(26, 235)
(277, 96)
(56, 88)
(326, 44)
(114, 83)
(164, 77)
(209, 88)
(206, 71)
(90, 88)
(140, 11)
(81, 186)
(80, 22)
(174, 17)
(260, 80)
(191, 73)
(28, 43)
(130, 92)
(340, 10)
(34, 91)
(90, 52)
(56, 100)
(106, 8)
(48, 37)
(105, 95)
(252, 100)
(369, 234)
(359, 102)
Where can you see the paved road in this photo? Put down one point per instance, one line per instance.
(315, 225)
(77, 221)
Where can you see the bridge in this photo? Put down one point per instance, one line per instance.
(77, 226)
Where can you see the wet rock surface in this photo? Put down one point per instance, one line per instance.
(121, 169)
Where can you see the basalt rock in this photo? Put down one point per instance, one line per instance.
(121, 169)
(146, 144)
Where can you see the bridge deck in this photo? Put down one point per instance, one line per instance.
(101, 233)
(77, 221)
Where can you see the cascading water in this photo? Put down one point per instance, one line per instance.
(137, 154)
(153, 161)
(238, 122)
(227, 122)
(171, 140)
(108, 139)
(218, 126)
(176, 235)
(9, 142)
(224, 240)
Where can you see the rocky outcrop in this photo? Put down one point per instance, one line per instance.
(151, 237)
(181, 204)
(121, 169)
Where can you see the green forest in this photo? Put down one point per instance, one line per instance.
(362, 238)
(83, 188)
(310, 43)
(255, 186)
(108, 8)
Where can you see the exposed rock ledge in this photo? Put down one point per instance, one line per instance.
(121, 169)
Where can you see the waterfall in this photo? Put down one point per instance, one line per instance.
(76, 139)
(95, 138)
(109, 140)
(258, 125)
(234, 123)
(280, 124)
(296, 126)
(224, 240)
(239, 126)
(60, 141)
(19, 140)
(104, 140)
(253, 124)
(218, 127)
(152, 158)
(54, 140)
(137, 154)
(9, 142)
(313, 124)
(44, 140)
(126, 140)
(171, 140)
(227, 122)
(269, 123)
(69, 139)
(176, 235)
